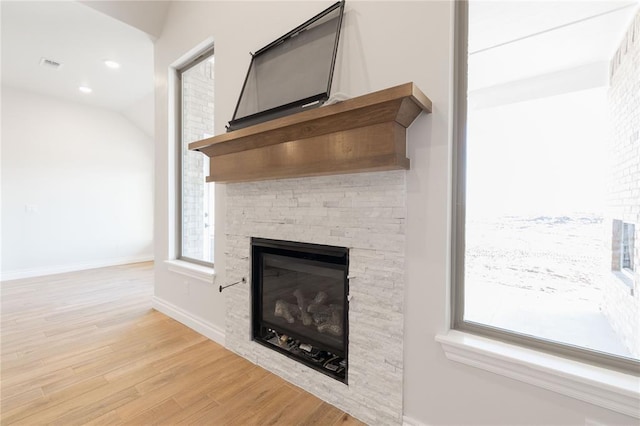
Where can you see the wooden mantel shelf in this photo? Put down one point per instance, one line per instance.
(363, 134)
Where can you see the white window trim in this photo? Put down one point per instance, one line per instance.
(192, 270)
(616, 391)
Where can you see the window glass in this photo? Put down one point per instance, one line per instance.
(551, 179)
(197, 196)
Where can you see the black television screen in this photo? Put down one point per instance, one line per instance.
(292, 73)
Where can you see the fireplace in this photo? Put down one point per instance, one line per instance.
(365, 212)
(303, 178)
(299, 302)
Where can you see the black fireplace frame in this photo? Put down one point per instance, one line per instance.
(338, 257)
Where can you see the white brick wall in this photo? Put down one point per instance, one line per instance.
(367, 214)
(621, 303)
(197, 121)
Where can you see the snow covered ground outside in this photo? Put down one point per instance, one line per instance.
(540, 276)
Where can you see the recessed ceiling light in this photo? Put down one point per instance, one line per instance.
(112, 64)
(85, 89)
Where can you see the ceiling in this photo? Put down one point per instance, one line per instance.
(80, 38)
(513, 40)
(517, 40)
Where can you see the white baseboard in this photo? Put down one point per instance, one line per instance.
(59, 269)
(410, 421)
(194, 322)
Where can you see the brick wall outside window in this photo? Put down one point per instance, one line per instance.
(197, 123)
(621, 302)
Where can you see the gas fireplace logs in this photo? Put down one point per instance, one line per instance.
(302, 305)
(327, 318)
(283, 310)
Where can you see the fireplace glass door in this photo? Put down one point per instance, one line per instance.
(300, 301)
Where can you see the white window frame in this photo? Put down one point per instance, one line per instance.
(591, 376)
(182, 262)
(628, 234)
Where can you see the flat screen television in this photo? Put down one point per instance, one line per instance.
(292, 73)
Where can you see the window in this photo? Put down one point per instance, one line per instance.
(196, 207)
(622, 246)
(535, 178)
(628, 236)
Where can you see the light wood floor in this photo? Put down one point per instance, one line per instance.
(86, 348)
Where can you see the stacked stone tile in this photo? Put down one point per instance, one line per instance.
(364, 212)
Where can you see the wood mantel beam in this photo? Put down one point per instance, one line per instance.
(362, 134)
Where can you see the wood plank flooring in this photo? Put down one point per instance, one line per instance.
(86, 348)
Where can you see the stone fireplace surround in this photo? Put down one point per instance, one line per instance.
(364, 212)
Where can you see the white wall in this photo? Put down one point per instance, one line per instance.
(140, 113)
(383, 44)
(147, 15)
(76, 187)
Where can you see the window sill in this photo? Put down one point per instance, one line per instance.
(198, 272)
(606, 388)
(625, 278)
